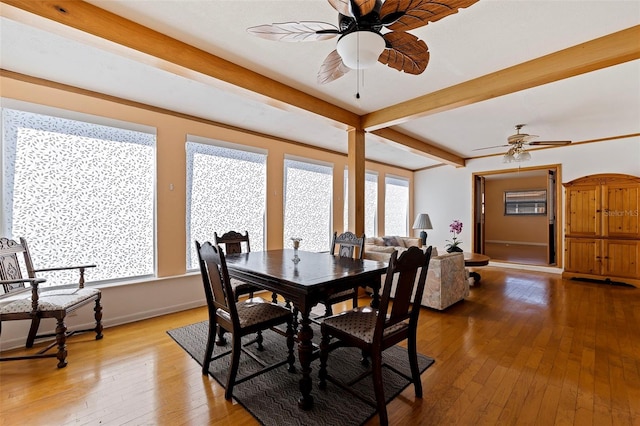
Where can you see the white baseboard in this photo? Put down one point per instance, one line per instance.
(549, 269)
(19, 342)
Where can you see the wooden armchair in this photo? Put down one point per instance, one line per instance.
(17, 302)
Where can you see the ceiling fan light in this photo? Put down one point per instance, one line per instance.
(524, 156)
(508, 158)
(360, 49)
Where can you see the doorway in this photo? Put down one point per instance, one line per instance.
(515, 213)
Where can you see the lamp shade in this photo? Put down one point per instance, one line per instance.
(360, 49)
(422, 222)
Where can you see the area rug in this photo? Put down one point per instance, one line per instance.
(272, 397)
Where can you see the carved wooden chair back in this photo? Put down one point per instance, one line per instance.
(233, 242)
(10, 268)
(348, 244)
(406, 268)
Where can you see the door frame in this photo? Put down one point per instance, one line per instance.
(554, 215)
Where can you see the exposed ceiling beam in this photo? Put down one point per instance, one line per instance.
(153, 45)
(603, 52)
(420, 147)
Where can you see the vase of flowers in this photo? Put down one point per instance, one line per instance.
(454, 243)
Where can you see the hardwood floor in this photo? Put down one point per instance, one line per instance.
(524, 348)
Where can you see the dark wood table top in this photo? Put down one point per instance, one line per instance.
(475, 259)
(312, 271)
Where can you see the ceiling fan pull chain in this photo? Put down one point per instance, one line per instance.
(358, 69)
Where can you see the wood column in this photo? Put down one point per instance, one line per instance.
(356, 167)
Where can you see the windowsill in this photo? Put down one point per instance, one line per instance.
(140, 280)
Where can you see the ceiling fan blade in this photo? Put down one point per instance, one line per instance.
(407, 53)
(405, 15)
(489, 147)
(295, 31)
(344, 7)
(558, 143)
(332, 68)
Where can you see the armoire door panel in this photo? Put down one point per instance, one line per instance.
(621, 211)
(621, 258)
(582, 255)
(583, 215)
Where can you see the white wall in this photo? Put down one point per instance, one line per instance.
(445, 193)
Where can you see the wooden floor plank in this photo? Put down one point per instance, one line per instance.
(524, 348)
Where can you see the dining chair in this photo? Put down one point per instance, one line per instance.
(348, 245)
(33, 303)
(233, 242)
(238, 318)
(374, 330)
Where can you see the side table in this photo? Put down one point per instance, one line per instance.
(473, 260)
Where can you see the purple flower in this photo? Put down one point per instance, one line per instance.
(456, 227)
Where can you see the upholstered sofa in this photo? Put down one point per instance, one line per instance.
(447, 281)
(380, 248)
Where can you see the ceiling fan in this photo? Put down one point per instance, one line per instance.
(368, 31)
(517, 143)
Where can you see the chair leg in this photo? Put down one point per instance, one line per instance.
(355, 297)
(324, 356)
(98, 317)
(33, 331)
(259, 340)
(211, 339)
(61, 339)
(221, 341)
(233, 368)
(413, 362)
(328, 311)
(291, 359)
(379, 389)
(365, 358)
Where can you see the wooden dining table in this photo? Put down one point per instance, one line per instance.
(304, 279)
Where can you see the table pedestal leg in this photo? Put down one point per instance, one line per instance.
(476, 277)
(305, 354)
(375, 296)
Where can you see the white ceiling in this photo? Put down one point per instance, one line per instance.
(486, 37)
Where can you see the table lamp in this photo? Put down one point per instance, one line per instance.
(422, 222)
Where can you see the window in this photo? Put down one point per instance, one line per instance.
(79, 193)
(530, 202)
(226, 191)
(396, 206)
(370, 204)
(307, 204)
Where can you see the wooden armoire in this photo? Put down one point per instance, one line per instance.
(602, 228)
